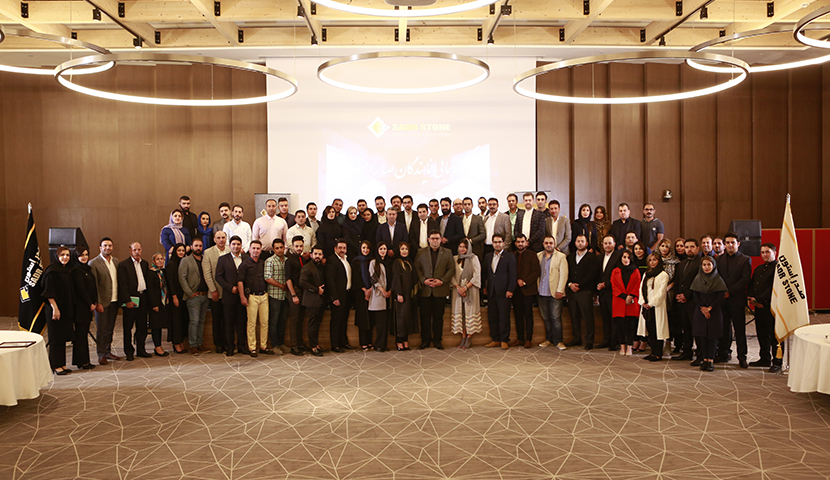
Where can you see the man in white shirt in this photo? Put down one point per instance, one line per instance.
(104, 269)
(217, 310)
(608, 260)
(408, 214)
(302, 229)
(559, 227)
(380, 207)
(496, 223)
(420, 228)
(270, 226)
(552, 282)
(236, 227)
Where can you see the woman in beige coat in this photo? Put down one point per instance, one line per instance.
(654, 317)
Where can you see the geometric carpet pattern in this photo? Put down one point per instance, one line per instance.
(477, 414)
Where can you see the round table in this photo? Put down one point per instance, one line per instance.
(810, 360)
(23, 371)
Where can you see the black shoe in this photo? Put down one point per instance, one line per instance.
(304, 348)
(297, 352)
(651, 358)
(612, 348)
(220, 350)
(439, 346)
(88, 366)
(161, 354)
(742, 363)
(423, 346)
(775, 368)
(603, 345)
(143, 355)
(575, 343)
(253, 354)
(266, 351)
(229, 353)
(589, 346)
(710, 367)
(338, 350)
(682, 358)
(348, 347)
(65, 371)
(129, 357)
(316, 352)
(760, 363)
(704, 366)
(676, 351)
(698, 362)
(401, 349)
(721, 360)
(381, 350)
(245, 352)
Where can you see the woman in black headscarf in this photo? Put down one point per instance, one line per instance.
(86, 299)
(370, 225)
(654, 318)
(602, 222)
(178, 310)
(328, 233)
(625, 286)
(353, 232)
(362, 289)
(584, 226)
(159, 296)
(379, 270)
(708, 294)
(205, 231)
(59, 291)
(404, 281)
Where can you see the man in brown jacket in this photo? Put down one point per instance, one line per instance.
(527, 275)
(435, 271)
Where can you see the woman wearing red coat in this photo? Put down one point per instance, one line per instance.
(625, 286)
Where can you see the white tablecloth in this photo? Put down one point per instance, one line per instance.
(810, 360)
(23, 371)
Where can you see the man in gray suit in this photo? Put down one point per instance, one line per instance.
(558, 227)
(194, 286)
(435, 270)
(105, 270)
(496, 223)
(473, 228)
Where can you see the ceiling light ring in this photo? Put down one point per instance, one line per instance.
(68, 42)
(406, 13)
(321, 71)
(641, 55)
(743, 36)
(801, 25)
(169, 58)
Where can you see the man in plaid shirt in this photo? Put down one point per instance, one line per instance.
(277, 296)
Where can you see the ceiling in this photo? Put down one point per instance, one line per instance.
(254, 29)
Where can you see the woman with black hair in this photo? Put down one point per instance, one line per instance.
(330, 230)
(708, 294)
(625, 287)
(178, 311)
(654, 318)
(159, 296)
(362, 288)
(59, 291)
(404, 281)
(378, 301)
(584, 226)
(86, 299)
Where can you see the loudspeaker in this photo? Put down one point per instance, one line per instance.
(749, 234)
(67, 237)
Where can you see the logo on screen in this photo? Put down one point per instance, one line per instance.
(378, 127)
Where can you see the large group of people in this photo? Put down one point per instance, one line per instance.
(398, 267)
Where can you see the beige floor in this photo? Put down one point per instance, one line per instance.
(484, 414)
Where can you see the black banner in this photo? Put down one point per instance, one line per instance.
(31, 316)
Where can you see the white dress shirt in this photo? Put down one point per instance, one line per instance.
(422, 235)
(496, 257)
(242, 230)
(113, 277)
(490, 226)
(309, 239)
(528, 216)
(348, 271)
(466, 221)
(142, 285)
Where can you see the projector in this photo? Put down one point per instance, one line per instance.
(410, 3)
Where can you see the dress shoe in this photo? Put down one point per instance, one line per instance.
(439, 346)
(742, 363)
(130, 357)
(340, 350)
(381, 350)
(760, 363)
(296, 352)
(254, 354)
(710, 367)
(492, 344)
(203, 348)
(545, 344)
(102, 360)
(143, 355)
(228, 353)
(651, 358)
(304, 348)
(283, 348)
(88, 366)
(775, 368)
(110, 356)
(575, 343)
(514, 343)
(220, 350)
(603, 345)
(505, 345)
(424, 345)
(721, 360)
(266, 351)
(704, 366)
(561, 346)
(528, 344)
(696, 363)
(589, 346)
(161, 354)
(62, 372)
(316, 352)
(348, 347)
(682, 358)
(194, 351)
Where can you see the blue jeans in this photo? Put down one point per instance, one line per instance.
(551, 310)
(197, 310)
(277, 315)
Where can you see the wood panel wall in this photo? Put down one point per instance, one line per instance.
(117, 169)
(733, 155)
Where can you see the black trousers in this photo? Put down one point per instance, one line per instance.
(523, 314)
(179, 319)
(217, 314)
(104, 327)
(315, 318)
(432, 319)
(734, 316)
(651, 325)
(609, 335)
(296, 318)
(337, 327)
(80, 342)
(236, 323)
(765, 328)
(581, 305)
(137, 317)
(687, 311)
(706, 347)
(498, 316)
(381, 320)
(624, 329)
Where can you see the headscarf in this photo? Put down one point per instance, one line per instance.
(329, 226)
(465, 262)
(370, 228)
(627, 270)
(177, 229)
(652, 272)
(364, 260)
(604, 225)
(583, 220)
(206, 233)
(354, 227)
(708, 282)
(162, 280)
(379, 261)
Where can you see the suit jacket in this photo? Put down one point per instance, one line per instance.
(453, 232)
(128, 280)
(226, 272)
(503, 279)
(444, 270)
(336, 279)
(528, 269)
(311, 278)
(736, 271)
(382, 235)
(189, 222)
(557, 272)
(684, 274)
(537, 229)
(584, 273)
(619, 230)
(189, 275)
(102, 278)
(502, 227)
(562, 235)
(415, 231)
(604, 274)
(476, 233)
(760, 285)
(209, 259)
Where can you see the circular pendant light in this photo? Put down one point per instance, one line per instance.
(798, 31)
(759, 69)
(426, 12)
(483, 67)
(631, 56)
(61, 78)
(67, 42)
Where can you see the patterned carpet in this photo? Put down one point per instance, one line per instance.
(483, 413)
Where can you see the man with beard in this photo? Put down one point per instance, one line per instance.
(133, 275)
(530, 223)
(189, 219)
(224, 217)
(452, 231)
(195, 288)
(296, 311)
(312, 281)
(236, 227)
(253, 294)
(759, 296)
(736, 270)
(608, 260)
(583, 268)
(684, 274)
(228, 279)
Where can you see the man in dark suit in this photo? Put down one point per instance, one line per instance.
(499, 283)
(684, 274)
(759, 295)
(583, 268)
(528, 271)
(450, 226)
(236, 319)
(133, 278)
(420, 227)
(392, 232)
(313, 283)
(608, 260)
(189, 219)
(296, 310)
(338, 285)
(435, 269)
(474, 228)
(532, 227)
(736, 270)
(623, 225)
